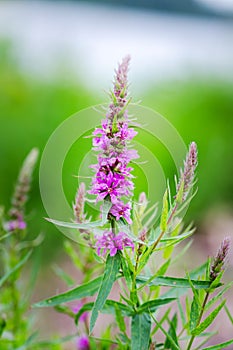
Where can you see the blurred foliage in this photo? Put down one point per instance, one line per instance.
(31, 109)
(202, 110)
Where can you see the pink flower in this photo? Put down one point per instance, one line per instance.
(119, 209)
(83, 343)
(16, 225)
(112, 243)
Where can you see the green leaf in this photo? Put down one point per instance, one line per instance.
(172, 241)
(164, 215)
(228, 314)
(194, 313)
(8, 234)
(163, 268)
(108, 308)
(173, 281)
(152, 305)
(175, 346)
(177, 238)
(105, 210)
(218, 296)
(120, 319)
(126, 271)
(110, 274)
(82, 291)
(15, 268)
(178, 292)
(161, 321)
(181, 311)
(172, 333)
(209, 319)
(220, 346)
(140, 331)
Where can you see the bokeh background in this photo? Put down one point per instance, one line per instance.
(58, 57)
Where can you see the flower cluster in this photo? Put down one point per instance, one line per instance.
(112, 243)
(113, 178)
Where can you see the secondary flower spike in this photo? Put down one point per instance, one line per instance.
(20, 196)
(113, 178)
(188, 173)
(219, 260)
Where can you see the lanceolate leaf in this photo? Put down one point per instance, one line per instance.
(105, 209)
(164, 215)
(82, 291)
(194, 313)
(172, 333)
(140, 331)
(220, 346)
(175, 346)
(109, 307)
(4, 278)
(173, 281)
(151, 305)
(218, 296)
(110, 273)
(202, 326)
(178, 292)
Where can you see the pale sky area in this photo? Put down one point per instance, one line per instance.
(91, 39)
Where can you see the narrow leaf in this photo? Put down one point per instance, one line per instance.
(152, 305)
(82, 291)
(120, 319)
(15, 268)
(175, 346)
(194, 313)
(220, 346)
(140, 331)
(218, 296)
(173, 281)
(110, 273)
(164, 215)
(172, 334)
(105, 209)
(202, 326)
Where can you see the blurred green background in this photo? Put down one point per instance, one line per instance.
(31, 107)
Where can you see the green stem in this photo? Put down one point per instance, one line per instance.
(199, 319)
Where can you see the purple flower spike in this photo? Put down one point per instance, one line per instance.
(112, 243)
(219, 261)
(113, 176)
(188, 173)
(83, 343)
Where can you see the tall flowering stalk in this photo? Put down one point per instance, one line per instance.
(141, 294)
(113, 178)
